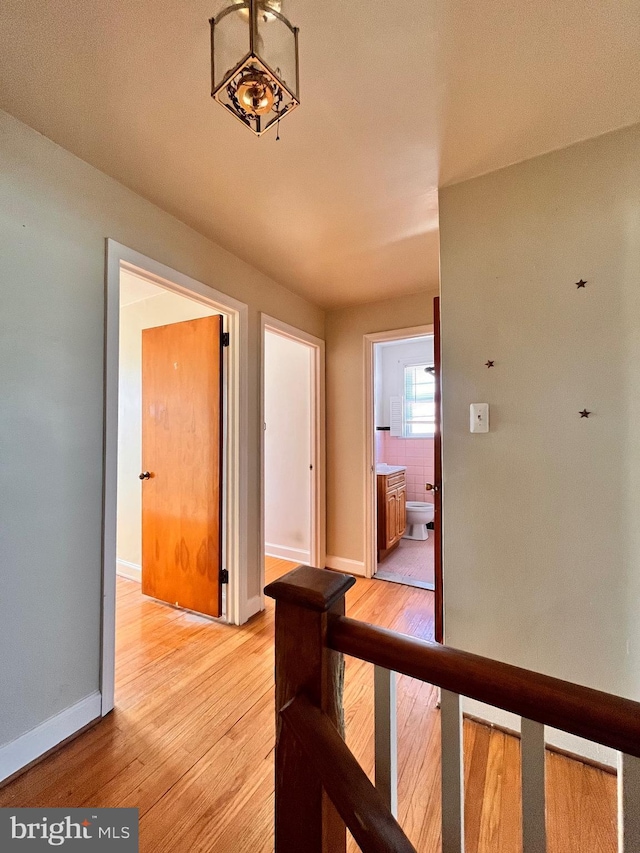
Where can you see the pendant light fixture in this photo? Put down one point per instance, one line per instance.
(254, 63)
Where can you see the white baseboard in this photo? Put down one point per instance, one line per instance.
(132, 571)
(31, 745)
(351, 567)
(553, 737)
(283, 552)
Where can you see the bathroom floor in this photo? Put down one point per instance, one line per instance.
(411, 563)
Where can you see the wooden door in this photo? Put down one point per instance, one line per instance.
(182, 454)
(437, 448)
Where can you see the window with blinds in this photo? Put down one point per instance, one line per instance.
(419, 407)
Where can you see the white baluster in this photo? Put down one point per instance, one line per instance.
(532, 753)
(628, 803)
(452, 773)
(386, 737)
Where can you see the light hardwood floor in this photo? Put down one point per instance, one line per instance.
(191, 740)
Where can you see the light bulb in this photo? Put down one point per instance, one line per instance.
(254, 93)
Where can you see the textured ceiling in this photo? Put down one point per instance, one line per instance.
(397, 98)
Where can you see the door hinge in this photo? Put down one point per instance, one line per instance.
(225, 339)
(224, 576)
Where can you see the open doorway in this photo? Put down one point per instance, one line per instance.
(170, 442)
(401, 417)
(174, 484)
(292, 448)
(170, 543)
(404, 406)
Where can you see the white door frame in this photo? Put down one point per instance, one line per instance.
(236, 480)
(370, 498)
(318, 440)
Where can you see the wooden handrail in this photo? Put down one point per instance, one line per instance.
(320, 789)
(601, 717)
(360, 805)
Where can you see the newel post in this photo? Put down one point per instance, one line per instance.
(306, 598)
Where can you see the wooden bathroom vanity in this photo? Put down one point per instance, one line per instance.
(392, 514)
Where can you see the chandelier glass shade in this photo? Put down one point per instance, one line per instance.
(254, 63)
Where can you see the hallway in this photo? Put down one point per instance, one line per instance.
(190, 742)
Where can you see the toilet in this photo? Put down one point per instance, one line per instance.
(419, 514)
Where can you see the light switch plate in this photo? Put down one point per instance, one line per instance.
(479, 417)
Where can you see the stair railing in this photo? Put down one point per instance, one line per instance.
(320, 789)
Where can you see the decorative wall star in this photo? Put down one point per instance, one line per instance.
(580, 283)
(584, 413)
(489, 363)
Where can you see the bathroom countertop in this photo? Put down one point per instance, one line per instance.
(383, 468)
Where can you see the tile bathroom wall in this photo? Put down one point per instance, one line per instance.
(416, 454)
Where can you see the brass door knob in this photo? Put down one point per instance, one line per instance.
(431, 488)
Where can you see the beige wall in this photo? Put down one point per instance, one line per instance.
(541, 532)
(345, 331)
(157, 310)
(287, 448)
(55, 213)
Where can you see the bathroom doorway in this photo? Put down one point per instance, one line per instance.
(402, 454)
